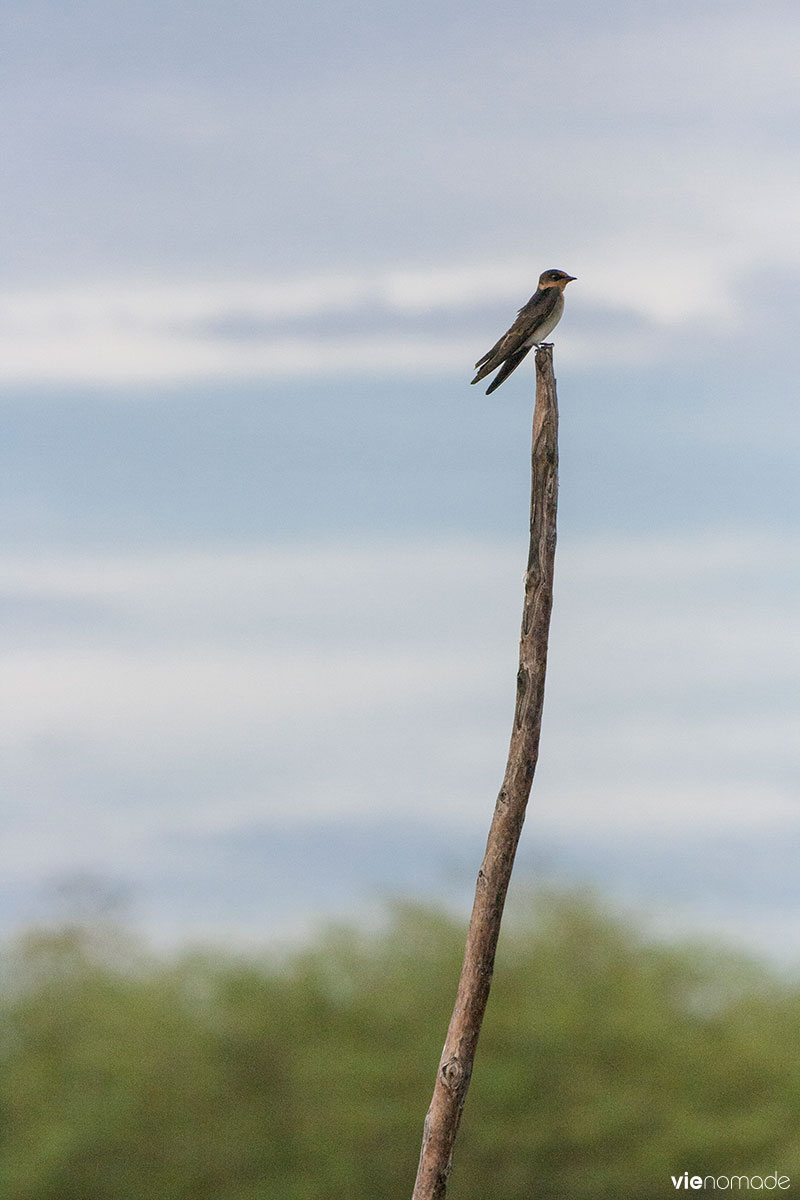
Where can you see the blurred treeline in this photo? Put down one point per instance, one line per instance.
(608, 1063)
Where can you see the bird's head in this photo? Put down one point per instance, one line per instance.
(555, 279)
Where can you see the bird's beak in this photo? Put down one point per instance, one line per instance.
(571, 279)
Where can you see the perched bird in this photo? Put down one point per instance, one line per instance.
(536, 319)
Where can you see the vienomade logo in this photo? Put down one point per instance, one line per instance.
(733, 1183)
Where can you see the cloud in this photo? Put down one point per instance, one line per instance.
(214, 691)
(384, 323)
(663, 176)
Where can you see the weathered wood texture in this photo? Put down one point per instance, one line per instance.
(455, 1067)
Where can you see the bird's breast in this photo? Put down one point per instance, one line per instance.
(547, 323)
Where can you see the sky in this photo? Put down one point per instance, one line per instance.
(262, 545)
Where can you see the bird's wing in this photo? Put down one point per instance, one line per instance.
(515, 337)
(530, 316)
(511, 364)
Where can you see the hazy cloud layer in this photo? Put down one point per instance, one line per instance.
(350, 202)
(200, 184)
(383, 324)
(160, 695)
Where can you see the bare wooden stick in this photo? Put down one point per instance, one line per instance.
(455, 1067)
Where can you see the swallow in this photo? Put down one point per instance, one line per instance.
(536, 319)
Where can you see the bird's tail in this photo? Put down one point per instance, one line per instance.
(511, 364)
(490, 361)
(482, 374)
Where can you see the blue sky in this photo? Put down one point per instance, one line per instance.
(262, 543)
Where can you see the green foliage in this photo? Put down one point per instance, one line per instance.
(606, 1064)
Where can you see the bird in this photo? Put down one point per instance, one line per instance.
(536, 319)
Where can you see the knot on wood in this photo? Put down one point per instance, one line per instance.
(452, 1073)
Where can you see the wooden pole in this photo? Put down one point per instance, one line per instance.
(455, 1067)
